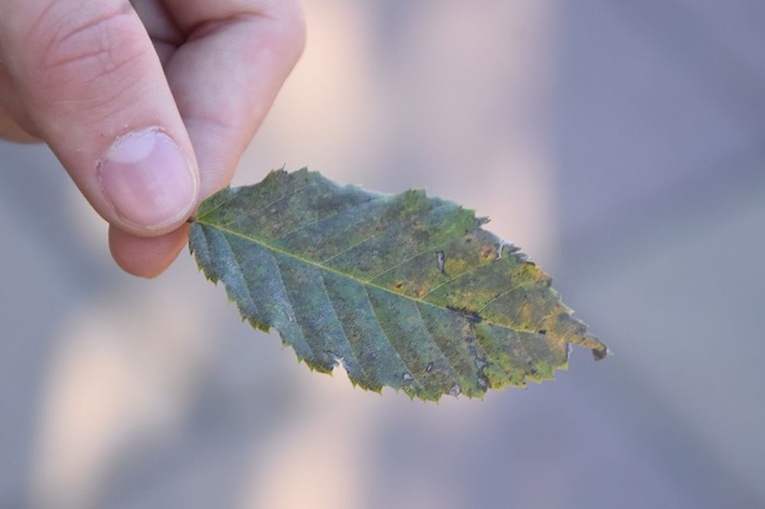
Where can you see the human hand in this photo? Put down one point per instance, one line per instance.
(148, 104)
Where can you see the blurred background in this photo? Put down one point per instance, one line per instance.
(620, 144)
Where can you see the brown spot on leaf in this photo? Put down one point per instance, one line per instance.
(469, 314)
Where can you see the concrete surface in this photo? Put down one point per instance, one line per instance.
(621, 144)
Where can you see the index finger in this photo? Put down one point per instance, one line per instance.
(227, 74)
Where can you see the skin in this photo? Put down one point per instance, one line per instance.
(83, 75)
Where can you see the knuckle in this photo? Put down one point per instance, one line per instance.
(79, 51)
(12, 129)
(295, 32)
(285, 27)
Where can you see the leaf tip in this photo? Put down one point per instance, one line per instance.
(601, 353)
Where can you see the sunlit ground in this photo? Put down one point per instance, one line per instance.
(120, 392)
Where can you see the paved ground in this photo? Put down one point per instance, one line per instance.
(621, 144)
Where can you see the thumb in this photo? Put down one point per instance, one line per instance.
(93, 87)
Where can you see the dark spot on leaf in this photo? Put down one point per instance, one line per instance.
(600, 354)
(469, 314)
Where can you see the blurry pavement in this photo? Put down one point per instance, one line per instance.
(620, 144)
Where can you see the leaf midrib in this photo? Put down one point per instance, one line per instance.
(395, 350)
(318, 265)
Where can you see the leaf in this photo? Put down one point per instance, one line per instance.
(405, 291)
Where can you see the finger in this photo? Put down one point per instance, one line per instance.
(228, 72)
(11, 130)
(160, 26)
(224, 79)
(146, 256)
(15, 125)
(92, 86)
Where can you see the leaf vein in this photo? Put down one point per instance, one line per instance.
(238, 272)
(455, 278)
(328, 216)
(291, 313)
(455, 374)
(385, 334)
(506, 292)
(351, 248)
(340, 323)
(418, 253)
(362, 282)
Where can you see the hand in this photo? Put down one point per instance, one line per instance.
(148, 104)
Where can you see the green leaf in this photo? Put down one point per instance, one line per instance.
(405, 291)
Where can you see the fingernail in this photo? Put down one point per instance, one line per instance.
(147, 180)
